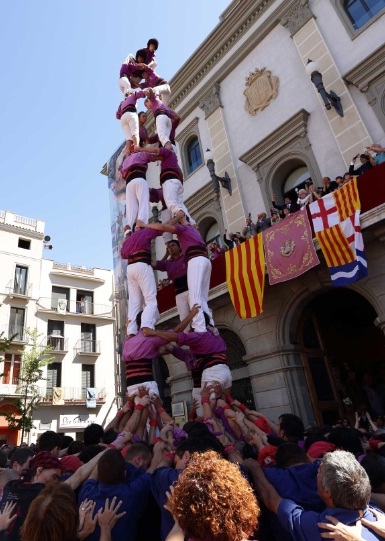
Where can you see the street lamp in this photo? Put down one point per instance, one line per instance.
(224, 181)
(330, 99)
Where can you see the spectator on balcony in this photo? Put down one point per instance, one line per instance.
(339, 181)
(263, 222)
(379, 156)
(328, 186)
(215, 250)
(275, 217)
(288, 203)
(363, 168)
(250, 230)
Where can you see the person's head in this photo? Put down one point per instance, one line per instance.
(89, 452)
(287, 200)
(49, 441)
(195, 444)
(342, 481)
(339, 180)
(326, 181)
(44, 468)
(20, 459)
(346, 176)
(140, 56)
(65, 442)
(148, 103)
(75, 447)
(152, 45)
(174, 249)
(290, 454)
(346, 439)
(53, 514)
(109, 436)
(139, 455)
(93, 434)
(111, 469)
(3, 459)
(142, 118)
(212, 500)
(302, 193)
(286, 211)
(291, 427)
(374, 465)
(364, 158)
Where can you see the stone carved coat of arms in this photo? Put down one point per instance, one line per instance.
(261, 88)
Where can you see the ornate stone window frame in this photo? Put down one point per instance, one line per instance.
(183, 139)
(288, 142)
(344, 17)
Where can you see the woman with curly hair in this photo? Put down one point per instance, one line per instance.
(212, 501)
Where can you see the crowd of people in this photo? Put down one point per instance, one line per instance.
(229, 474)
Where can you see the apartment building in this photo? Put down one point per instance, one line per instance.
(73, 310)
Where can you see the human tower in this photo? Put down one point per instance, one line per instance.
(188, 265)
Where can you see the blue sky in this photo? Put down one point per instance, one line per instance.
(60, 62)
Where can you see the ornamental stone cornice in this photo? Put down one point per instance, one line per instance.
(187, 130)
(218, 45)
(368, 70)
(293, 128)
(296, 16)
(22, 231)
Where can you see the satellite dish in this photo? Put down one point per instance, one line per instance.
(47, 238)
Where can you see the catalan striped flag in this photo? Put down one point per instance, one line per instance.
(336, 222)
(245, 276)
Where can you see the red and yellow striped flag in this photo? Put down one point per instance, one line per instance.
(245, 276)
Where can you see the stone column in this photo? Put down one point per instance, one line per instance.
(232, 205)
(349, 131)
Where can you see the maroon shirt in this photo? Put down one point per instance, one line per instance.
(129, 103)
(140, 240)
(141, 159)
(188, 236)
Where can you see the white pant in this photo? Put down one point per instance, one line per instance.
(198, 280)
(183, 306)
(132, 390)
(141, 291)
(173, 196)
(124, 84)
(220, 373)
(163, 128)
(130, 126)
(137, 201)
(163, 92)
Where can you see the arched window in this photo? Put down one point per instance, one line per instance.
(194, 155)
(235, 349)
(361, 11)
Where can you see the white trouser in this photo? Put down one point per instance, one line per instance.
(132, 390)
(163, 92)
(130, 126)
(196, 395)
(141, 291)
(173, 196)
(220, 373)
(183, 306)
(163, 128)
(124, 84)
(198, 280)
(137, 201)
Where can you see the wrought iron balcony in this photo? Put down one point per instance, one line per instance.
(85, 346)
(65, 306)
(57, 342)
(70, 395)
(19, 290)
(15, 331)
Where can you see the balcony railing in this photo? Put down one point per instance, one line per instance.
(72, 395)
(20, 290)
(63, 306)
(85, 345)
(57, 342)
(8, 389)
(17, 331)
